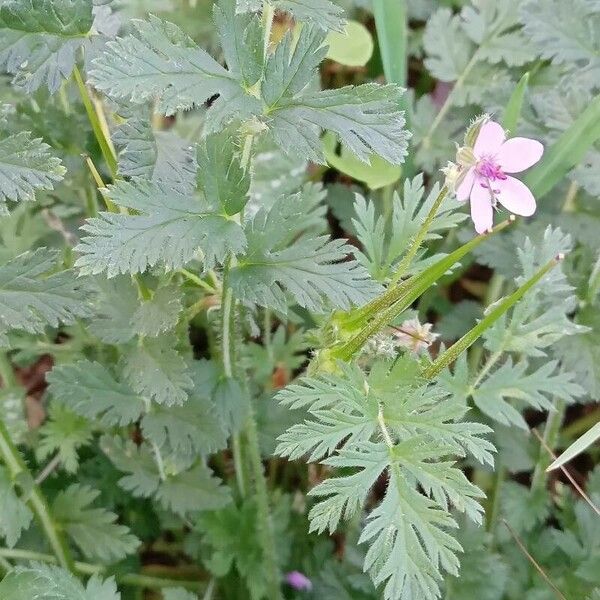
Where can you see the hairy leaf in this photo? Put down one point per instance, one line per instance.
(33, 297)
(26, 165)
(49, 582)
(93, 530)
(311, 269)
(15, 516)
(90, 390)
(170, 229)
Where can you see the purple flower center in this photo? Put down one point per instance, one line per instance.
(489, 169)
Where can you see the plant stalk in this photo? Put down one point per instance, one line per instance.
(36, 501)
(550, 436)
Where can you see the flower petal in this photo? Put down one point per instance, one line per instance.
(515, 196)
(482, 212)
(518, 154)
(463, 191)
(489, 140)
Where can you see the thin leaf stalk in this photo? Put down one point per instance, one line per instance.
(400, 296)
(449, 356)
(421, 235)
(96, 123)
(425, 142)
(35, 500)
(550, 439)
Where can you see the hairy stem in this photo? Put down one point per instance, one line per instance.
(35, 500)
(265, 522)
(420, 237)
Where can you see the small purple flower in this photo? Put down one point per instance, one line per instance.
(486, 182)
(298, 581)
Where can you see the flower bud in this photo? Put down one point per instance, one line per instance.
(474, 128)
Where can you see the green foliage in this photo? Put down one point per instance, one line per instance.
(285, 256)
(169, 229)
(384, 247)
(389, 422)
(64, 433)
(15, 516)
(178, 489)
(26, 165)
(93, 530)
(90, 390)
(40, 40)
(32, 297)
(53, 583)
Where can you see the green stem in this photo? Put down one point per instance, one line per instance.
(133, 579)
(420, 237)
(494, 510)
(450, 355)
(550, 437)
(581, 425)
(265, 523)
(400, 296)
(105, 145)
(425, 142)
(36, 501)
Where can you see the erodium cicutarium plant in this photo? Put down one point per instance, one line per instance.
(299, 299)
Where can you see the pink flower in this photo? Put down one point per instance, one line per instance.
(298, 581)
(486, 182)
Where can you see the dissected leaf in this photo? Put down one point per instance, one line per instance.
(33, 296)
(48, 582)
(171, 229)
(15, 516)
(93, 530)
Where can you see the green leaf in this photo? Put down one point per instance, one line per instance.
(353, 47)
(158, 314)
(241, 37)
(26, 165)
(40, 40)
(90, 390)
(63, 433)
(230, 535)
(311, 269)
(156, 370)
(48, 582)
(577, 447)
(93, 530)
(534, 388)
(567, 151)
(581, 354)
(195, 427)
(159, 156)
(513, 108)
(170, 229)
(231, 402)
(422, 427)
(182, 491)
(321, 13)
(565, 33)
(116, 303)
(448, 51)
(220, 174)
(296, 116)
(491, 24)
(158, 60)
(382, 249)
(15, 516)
(33, 296)
(377, 174)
